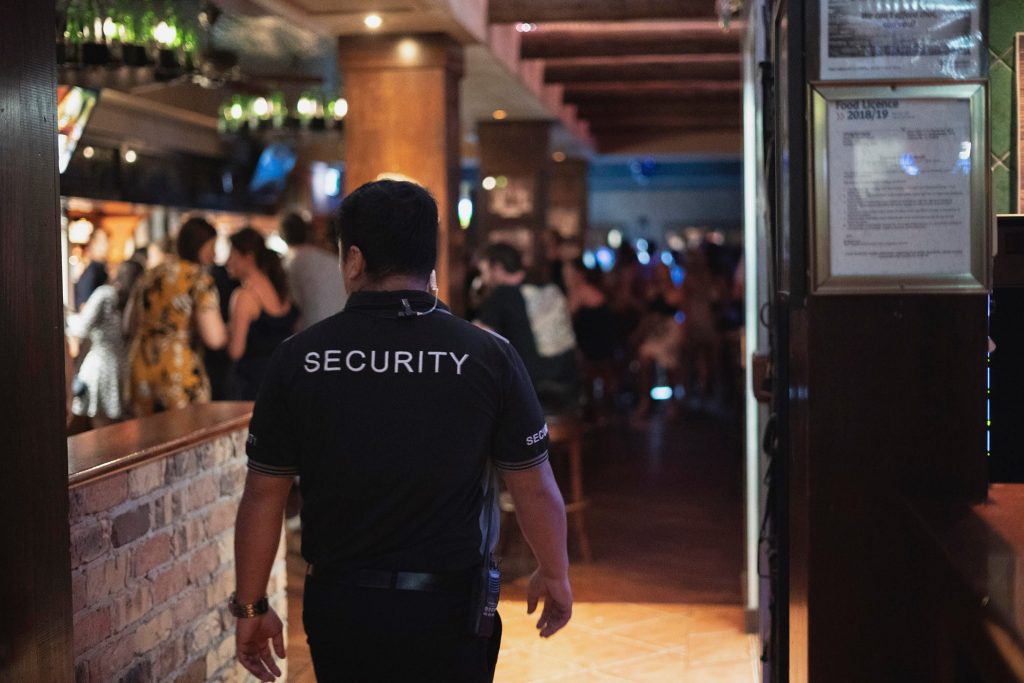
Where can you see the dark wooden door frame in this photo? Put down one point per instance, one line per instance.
(35, 574)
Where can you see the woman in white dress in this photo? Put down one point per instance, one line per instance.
(99, 383)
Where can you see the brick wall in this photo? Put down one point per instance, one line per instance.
(152, 561)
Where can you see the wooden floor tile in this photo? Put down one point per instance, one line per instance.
(661, 667)
(715, 648)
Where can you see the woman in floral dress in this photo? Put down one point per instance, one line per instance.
(175, 306)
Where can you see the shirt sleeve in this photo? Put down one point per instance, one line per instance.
(206, 296)
(520, 439)
(272, 446)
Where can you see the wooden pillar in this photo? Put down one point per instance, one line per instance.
(403, 120)
(515, 209)
(567, 199)
(35, 588)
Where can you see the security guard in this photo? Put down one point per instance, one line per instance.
(395, 415)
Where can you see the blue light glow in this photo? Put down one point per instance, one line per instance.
(680, 317)
(642, 245)
(661, 393)
(908, 165)
(605, 258)
(643, 257)
(588, 260)
(666, 258)
(678, 275)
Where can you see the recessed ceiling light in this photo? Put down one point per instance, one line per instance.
(525, 27)
(558, 156)
(373, 21)
(130, 156)
(489, 183)
(88, 152)
(500, 114)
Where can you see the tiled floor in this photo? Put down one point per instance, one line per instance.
(661, 601)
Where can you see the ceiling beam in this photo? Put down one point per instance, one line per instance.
(536, 11)
(620, 109)
(643, 68)
(638, 91)
(551, 41)
(682, 120)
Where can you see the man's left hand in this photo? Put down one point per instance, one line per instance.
(252, 638)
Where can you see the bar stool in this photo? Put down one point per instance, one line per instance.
(567, 431)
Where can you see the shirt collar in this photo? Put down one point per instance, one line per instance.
(391, 302)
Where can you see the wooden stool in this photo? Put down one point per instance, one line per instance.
(564, 430)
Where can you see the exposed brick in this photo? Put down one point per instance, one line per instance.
(191, 605)
(189, 535)
(105, 578)
(78, 599)
(169, 657)
(205, 631)
(91, 629)
(206, 455)
(88, 541)
(131, 606)
(203, 491)
(169, 582)
(181, 466)
(221, 517)
(232, 481)
(224, 653)
(203, 563)
(102, 495)
(140, 672)
(146, 478)
(163, 514)
(218, 591)
(151, 552)
(130, 525)
(194, 673)
(116, 654)
(226, 547)
(150, 634)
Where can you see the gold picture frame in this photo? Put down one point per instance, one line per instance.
(899, 199)
(1018, 92)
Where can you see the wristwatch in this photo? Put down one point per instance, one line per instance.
(250, 610)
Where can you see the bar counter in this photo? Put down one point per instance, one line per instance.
(152, 511)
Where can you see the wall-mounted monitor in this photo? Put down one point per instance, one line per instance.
(275, 163)
(74, 107)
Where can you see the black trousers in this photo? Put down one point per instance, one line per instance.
(374, 635)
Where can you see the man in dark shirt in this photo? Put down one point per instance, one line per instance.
(546, 343)
(396, 416)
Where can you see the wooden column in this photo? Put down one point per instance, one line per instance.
(403, 119)
(567, 199)
(515, 153)
(35, 588)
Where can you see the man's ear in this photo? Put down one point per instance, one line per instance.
(353, 264)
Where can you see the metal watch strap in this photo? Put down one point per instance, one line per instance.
(248, 611)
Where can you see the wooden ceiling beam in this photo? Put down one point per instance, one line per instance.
(685, 120)
(550, 41)
(724, 67)
(578, 93)
(619, 109)
(537, 11)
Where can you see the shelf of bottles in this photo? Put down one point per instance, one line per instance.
(243, 114)
(134, 33)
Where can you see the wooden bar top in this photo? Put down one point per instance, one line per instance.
(105, 451)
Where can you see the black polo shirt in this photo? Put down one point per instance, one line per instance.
(393, 422)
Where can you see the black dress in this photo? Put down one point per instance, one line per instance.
(265, 334)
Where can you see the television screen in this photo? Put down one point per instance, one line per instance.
(276, 161)
(74, 107)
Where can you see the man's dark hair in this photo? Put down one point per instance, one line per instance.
(294, 229)
(193, 235)
(394, 224)
(506, 256)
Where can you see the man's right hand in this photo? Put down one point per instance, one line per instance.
(254, 636)
(557, 594)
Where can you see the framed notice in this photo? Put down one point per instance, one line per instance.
(900, 201)
(900, 40)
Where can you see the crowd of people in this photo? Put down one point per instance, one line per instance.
(667, 330)
(607, 341)
(187, 330)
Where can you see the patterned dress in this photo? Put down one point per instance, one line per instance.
(102, 370)
(167, 370)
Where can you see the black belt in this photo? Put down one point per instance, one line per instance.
(402, 581)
